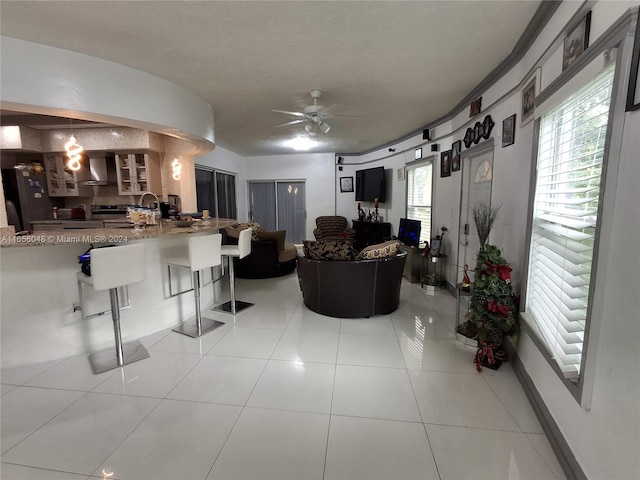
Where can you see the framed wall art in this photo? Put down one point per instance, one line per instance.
(346, 184)
(633, 95)
(529, 93)
(456, 148)
(445, 164)
(576, 42)
(476, 107)
(509, 131)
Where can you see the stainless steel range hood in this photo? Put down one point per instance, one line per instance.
(96, 173)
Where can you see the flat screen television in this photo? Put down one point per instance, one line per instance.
(409, 232)
(370, 185)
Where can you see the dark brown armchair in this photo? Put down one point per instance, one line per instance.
(333, 228)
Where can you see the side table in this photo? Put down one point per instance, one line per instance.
(434, 275)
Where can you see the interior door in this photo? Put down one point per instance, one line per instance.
(477, 180)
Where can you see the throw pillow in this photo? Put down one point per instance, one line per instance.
(381, 250)
(278, 236)
(234, 230)
(328, 250)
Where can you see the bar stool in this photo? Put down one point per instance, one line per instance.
(204, 252)
(111, 268)
(230, 251)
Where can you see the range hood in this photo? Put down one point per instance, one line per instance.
(96, 171)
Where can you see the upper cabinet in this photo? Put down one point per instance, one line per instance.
(138, 173)
(61, 180)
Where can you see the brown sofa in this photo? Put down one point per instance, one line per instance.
(268, 259)
(351, 289)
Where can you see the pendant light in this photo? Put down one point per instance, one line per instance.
(74, 151)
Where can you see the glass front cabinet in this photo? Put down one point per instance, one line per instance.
(138, 173)
(61, 180)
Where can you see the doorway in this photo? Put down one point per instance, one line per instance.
(279, 205)
(216, 192)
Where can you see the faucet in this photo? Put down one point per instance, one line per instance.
(157, 208)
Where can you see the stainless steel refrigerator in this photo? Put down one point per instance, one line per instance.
(27, 191)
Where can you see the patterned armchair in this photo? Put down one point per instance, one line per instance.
(333, 228)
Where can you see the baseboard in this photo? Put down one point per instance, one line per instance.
(563, 452)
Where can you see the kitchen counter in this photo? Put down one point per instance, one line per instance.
(62, 236)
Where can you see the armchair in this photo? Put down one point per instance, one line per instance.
(333, 228)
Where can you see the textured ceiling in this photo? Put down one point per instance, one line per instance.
(392, 66)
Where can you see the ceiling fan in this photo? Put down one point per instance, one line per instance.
(314, 116)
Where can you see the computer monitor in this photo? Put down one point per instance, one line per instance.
(409, 232)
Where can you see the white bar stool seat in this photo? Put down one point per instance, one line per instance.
(241, 250)
(204, 252)
(111, 268)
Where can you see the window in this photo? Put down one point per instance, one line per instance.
(279, 205)
(216, 192)
(419, 183)
(566, 202)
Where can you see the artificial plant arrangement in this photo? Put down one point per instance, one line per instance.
(492, 310)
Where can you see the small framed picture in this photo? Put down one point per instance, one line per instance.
(445, 164)
(509, 131)
(529, 93)
(576, 42)
(456, 148)
(417, 154)
(401, 173)
(476, 107)
(346, 184)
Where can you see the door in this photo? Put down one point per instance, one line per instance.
(216, 192)
(279, 205)
(477, 179)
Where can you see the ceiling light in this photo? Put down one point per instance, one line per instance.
(74, 152)
(325, 127)
(300, 143)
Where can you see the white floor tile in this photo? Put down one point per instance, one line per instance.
(217, 379)
(78, 439)
(178, 343)
(306, 320)
(542, 445)
(374, 392)
(299, 345)
(512, 396)
(74, 373)
(20, 375)
(367, 449)
(297, 386)
(25, 409)
(4, 389)
(275, 317)
(459, 399)
(378, 325)
(419, 327)
(436, 355)
(20, 472)
(247, 342)
(178, 440)
(478, 454)
(272, 444)
(369, 350)
(152, 377)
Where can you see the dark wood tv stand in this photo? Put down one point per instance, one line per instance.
(370, 233)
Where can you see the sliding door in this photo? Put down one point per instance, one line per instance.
(216, 192)
(279, 205)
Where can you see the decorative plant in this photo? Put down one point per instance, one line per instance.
(484, 216)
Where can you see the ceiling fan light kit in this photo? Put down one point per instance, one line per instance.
(313, 115)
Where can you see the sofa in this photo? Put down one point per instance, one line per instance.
(270, 256)
(351, 288)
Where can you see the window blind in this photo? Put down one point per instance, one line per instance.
(568, 187)
(419, 182)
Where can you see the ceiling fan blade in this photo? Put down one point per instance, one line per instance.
(327, 112)
(293, 122)
(296, 114)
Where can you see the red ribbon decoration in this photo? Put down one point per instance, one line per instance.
(484, 350)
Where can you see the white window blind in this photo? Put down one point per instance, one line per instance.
(419, 182)
(568, 187)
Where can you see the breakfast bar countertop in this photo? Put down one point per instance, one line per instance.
(109, 235)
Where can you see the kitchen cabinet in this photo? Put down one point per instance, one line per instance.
(138, 173)
(61, 180)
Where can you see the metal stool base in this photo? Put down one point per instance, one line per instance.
(190, 327)
(226, 307)
(105, 360)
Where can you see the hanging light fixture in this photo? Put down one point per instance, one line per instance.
(177, 169)
(74, 151)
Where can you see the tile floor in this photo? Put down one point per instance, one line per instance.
(280, 392)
